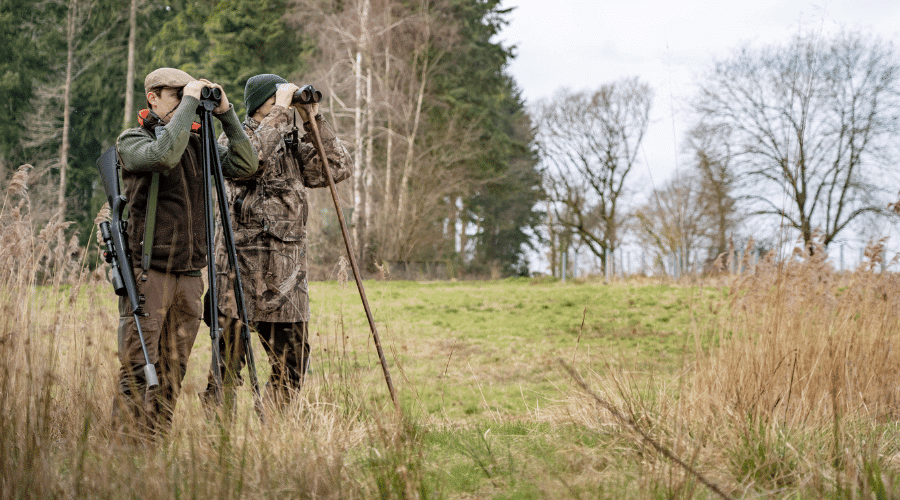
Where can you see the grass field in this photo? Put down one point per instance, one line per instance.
(490, 349)
(780, 382)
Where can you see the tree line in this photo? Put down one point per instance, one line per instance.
(795, 139)
(446, 161)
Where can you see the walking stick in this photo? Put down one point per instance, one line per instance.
(308, 95)
(212, 170)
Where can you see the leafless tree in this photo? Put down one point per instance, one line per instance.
(811, 125)
(385, 55)
(590, 143)
(675, 220)
(129, 74)
(47, 136)
(712, 169)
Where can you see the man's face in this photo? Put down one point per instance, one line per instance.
(165, 103)
(263, 111)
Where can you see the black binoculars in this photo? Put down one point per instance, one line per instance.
(212, 94)
(307, 94)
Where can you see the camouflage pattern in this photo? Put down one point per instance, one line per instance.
(269, 211)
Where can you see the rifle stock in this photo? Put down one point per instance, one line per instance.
(115, 238)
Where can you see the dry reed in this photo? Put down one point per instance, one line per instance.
(58, 364)
(796, 394)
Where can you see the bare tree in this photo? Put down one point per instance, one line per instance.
(343, 67)
(129, 74)
(675, 220)
(377, 60)
(590, 143)
(711, 161)
(810, 124)
(49, 128)
(72, 21)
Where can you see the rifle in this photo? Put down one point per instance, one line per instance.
(115, 237)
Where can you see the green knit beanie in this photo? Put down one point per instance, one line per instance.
(259, 89)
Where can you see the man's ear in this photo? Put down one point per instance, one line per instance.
(152, 98)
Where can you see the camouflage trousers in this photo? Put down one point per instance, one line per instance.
(287, 349)
(173, 310)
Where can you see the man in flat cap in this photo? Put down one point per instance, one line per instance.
(269, 211)
(162, 176)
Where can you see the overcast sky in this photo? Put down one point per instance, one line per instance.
(581, 44)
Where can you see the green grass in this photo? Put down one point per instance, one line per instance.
(490, 349)
(476, 365)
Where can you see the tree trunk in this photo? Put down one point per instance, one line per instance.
(369, 175)
(551, 230)
(450, 233)
(407, 164)
(129, 75)
(388, 172)
(67, 96)
(358, 156)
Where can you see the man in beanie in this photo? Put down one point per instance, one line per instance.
(162, 177)
(269, 212)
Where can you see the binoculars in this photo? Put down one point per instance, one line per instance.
(307, 94)
(211, 94)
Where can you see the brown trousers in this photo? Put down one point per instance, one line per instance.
(173, 310)
(286, 347)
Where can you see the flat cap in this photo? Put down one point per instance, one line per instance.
(166, 77)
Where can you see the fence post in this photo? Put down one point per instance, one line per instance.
(606, 268)
(575, 264)
(564, 266)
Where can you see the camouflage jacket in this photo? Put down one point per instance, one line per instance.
(268, 215)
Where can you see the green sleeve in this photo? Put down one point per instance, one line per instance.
(141, 152)
(238, 158)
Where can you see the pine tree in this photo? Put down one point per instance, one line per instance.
(503, 203)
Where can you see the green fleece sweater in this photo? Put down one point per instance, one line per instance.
(173, 150)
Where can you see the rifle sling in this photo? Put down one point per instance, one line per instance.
(150, 225)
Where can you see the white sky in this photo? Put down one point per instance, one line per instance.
(582, 44)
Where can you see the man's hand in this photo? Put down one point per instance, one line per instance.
(307, 111)
(284, 94)
(193, 88)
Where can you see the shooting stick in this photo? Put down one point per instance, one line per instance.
(314, 128)
(212, 171)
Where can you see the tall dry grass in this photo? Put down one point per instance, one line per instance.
(803, 385)
(791, 389)
(57, 369)
(803, 343)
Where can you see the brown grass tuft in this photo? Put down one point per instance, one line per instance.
(802, 342)
(18, 185)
